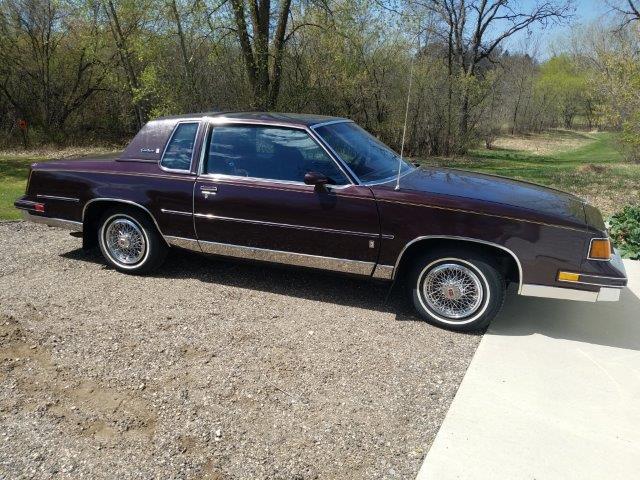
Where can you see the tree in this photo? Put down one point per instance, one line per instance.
(262, 50)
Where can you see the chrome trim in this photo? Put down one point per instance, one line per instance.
(530, 290)
(210, 216)
(383, 272)
(55, 197)
(385, 236)
(53, 222)
(605, 294)
(175, 212)
(599, 259)
(609, 295)
(466, 239)
(127, 202)
(331, 122)
(186, 243)
(580, 282)
(289, 258)
(193, 151)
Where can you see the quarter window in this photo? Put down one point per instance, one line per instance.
(178, 154)
(271, 153)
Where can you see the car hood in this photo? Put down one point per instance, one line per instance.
(547, 204)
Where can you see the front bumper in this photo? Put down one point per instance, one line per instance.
(608, 291)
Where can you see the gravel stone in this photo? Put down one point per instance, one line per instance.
(210, 369)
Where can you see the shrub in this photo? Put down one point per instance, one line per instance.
(624, 228)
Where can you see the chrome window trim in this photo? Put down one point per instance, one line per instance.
(599, 259)
(222, 177)
(127, 202)
(53, 222)
(343, 265)
(221, 122)
(193, 151)
(331, 122)
(55, 197)
(466, 239)
(210, 216)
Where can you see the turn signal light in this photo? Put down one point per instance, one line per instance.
(568, 277)
(39, 207)
(600, 249)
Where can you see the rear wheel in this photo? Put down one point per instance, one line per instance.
(130, 242)
(456, 289)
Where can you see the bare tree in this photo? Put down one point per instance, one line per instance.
(629, 8)
(259, 46)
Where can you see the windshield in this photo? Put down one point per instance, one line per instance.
(369, 158)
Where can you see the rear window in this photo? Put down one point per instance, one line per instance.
(179, 151)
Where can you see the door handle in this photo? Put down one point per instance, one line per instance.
(206, 191)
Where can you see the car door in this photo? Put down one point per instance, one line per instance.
(250, 201)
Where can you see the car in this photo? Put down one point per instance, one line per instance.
(320, 192)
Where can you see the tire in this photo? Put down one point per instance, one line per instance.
(130, 242)
(456, 289)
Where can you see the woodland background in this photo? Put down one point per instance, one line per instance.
(93, 71)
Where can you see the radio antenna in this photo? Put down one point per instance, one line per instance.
(404, 129)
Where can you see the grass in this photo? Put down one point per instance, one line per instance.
(587, 164)
(14, 169)
(13, 180)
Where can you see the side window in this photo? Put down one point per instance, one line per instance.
(271, 153)
(178, 154)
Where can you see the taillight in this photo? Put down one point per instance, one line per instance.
(39, 207)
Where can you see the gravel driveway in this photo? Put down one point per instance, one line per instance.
(210, 369)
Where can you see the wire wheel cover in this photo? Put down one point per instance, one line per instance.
(452, 290)
(125, 241)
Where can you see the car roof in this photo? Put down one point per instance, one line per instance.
(294, 119)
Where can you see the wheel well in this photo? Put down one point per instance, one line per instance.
(94, 211)
(503, 260)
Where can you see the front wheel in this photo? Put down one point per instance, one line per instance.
(130, 242)
(457, 289)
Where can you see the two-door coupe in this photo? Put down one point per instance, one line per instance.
(321, 192)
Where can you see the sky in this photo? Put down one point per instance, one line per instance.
(586, 11)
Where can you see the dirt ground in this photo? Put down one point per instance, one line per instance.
(210, 369)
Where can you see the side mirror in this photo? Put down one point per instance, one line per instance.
(316, 179)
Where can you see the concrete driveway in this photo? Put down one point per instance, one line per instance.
(552, 392)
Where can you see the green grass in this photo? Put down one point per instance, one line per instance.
(13, 180)
(595, 171)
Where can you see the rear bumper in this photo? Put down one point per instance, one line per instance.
(608, 291)
(52, 222)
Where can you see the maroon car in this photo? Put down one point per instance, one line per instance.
(321, 192)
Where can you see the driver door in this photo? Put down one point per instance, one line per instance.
(250, 201)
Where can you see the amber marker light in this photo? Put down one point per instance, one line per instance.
(568, 277)
(600, 249)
